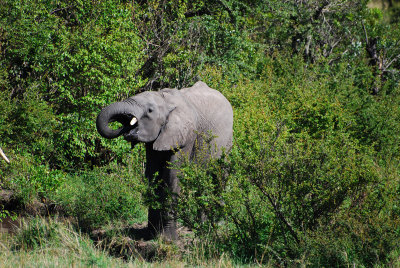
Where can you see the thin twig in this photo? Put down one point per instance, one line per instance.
(365, 32)
(60, 9)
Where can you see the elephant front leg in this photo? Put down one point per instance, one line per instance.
(164, 181)
(162, 222)
(162, 216)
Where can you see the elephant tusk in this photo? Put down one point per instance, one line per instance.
(133, 121)
(4, 156)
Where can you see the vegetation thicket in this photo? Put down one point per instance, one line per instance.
(312, 178)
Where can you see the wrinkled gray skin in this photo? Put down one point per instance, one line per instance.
(167, 120)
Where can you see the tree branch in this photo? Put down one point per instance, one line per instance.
(365, 32)
(4, 156)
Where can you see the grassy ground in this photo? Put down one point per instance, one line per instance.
(41, 242)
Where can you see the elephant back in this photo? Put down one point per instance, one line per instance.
(215, 110)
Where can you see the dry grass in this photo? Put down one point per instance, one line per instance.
(384, 5)
(377, 4)
(69, 248)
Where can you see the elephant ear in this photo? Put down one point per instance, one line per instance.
(179, 128)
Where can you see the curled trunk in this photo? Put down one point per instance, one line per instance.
(122, 112)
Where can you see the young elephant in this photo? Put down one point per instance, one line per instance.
(165, 121)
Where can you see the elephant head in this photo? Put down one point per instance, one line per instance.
(163, 118)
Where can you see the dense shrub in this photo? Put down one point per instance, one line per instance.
(312, 178)
(299, 174)
(96, 198)
(62, 62)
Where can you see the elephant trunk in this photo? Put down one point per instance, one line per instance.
(122, 112)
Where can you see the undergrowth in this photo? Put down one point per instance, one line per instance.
(54, 242)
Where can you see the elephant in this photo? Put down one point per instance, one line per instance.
(171, 123)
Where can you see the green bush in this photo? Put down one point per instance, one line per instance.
(99, 197)
(263, 202)
(37, 233)
(298, 172)
(312, 178)
(61, 63)
(29, 179)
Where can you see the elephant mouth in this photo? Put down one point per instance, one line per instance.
(129, 126)
(132, 135)
(132, 130)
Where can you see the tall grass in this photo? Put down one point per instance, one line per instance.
(44, 242)
(52, 242)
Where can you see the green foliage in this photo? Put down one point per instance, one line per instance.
(29, 179)
(266, 200)
(4, 213)
(37, 233)
(64, 61)
(172, 42)
(96, 198)
(313, 176)
(200, 196)
(303, 166)
(37, 182)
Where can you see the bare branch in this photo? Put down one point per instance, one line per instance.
(391, 62)
(60, 9)
(392, 59)
(4, 156)
(365, 32)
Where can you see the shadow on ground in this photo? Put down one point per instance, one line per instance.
(137, 241)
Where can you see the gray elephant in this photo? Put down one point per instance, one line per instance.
(170, 123)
